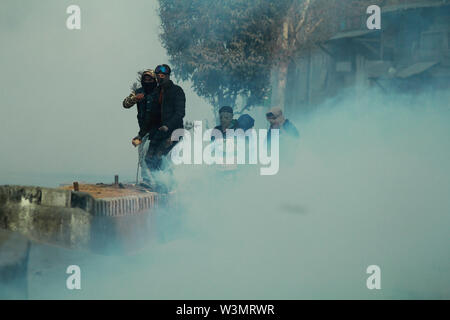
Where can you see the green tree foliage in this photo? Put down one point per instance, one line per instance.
(225, 47)
(228, 48)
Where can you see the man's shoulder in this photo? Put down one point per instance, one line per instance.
(288, 124)
(291, 128)
(176, 88)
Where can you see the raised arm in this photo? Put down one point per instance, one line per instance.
(130, 101)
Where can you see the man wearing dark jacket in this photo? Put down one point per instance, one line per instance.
(226, 119)
(143, 98)
(165, 115)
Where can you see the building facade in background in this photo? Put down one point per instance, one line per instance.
(410, 53)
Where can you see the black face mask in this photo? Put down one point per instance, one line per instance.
(149, 86)
(162, 81)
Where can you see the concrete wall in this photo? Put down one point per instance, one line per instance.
(77, 220)
(14, 252)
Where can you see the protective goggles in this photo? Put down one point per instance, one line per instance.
(270, 115)
(162, 69)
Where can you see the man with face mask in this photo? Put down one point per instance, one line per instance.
(143, 97)
(166, 115)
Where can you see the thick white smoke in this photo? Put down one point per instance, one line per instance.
(368, 185)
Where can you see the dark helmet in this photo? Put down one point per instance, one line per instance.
(163, 68)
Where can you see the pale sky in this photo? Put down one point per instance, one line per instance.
(62, 90)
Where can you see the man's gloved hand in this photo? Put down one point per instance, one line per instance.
(139, 97)
(136, 141)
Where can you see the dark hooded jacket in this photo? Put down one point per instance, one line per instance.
(143, 106)
(233, 125)
(167, 109)
(245, 122)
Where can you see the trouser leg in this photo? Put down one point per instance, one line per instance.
(157, 162)
(143, 148)
(152, 163)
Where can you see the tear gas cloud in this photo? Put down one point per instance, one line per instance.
(368, 185)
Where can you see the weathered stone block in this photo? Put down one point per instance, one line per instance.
(20, 194)
(56, 197)
(83, 201)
